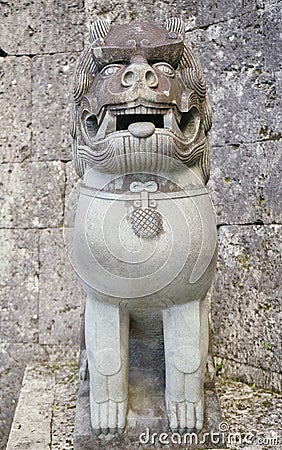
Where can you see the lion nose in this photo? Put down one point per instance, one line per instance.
(139, 72)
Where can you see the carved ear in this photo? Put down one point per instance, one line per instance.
(99, 29)
(175, 24)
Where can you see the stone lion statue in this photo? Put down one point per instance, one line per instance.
(145, 230)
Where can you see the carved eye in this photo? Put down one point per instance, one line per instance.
(165, 68)
(111, 69)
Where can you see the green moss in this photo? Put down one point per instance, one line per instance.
(269, 134)
(267, 346)
(266, 403)
(265, 307)
(227, 179)
(218, 368)
(264, 130)
(261, 201)
(245, 261)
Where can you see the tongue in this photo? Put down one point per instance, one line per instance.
(141, 129)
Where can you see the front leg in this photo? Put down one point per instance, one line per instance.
(107, 347)
(186, 348)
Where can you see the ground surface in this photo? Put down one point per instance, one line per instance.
(45, 413)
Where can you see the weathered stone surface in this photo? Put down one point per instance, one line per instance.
(15, 112)
(66, 376)
(105, 252)
(246, 305)
(252, 413)
(245, 183)
(71, 197)
(60, 294)
(272, 30)
(243, 86)
(117, 12)
(32, 195)
(146, 416)
(14, 358)
(19, 285)
(162, 9)
(210, 12)
(44, 416)
(112, 10)
(39, 26)
(31, 425)
(249, 412)
(52, 80)
(249, 374)
(242, 65)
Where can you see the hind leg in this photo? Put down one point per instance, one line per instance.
(83, 364)
(186, 348)
(107, 338)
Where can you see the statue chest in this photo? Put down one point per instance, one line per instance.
(145, 241)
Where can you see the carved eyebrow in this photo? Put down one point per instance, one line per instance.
(112, 55)
(168, 52)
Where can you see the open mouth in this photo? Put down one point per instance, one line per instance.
(141, 122)
(125, 120)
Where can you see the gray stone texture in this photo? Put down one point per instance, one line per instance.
(130, 10)
(32, 429)
(51, 99)
(246, 307)
(15, 112)
(60, 307)
(44, 417)
(239, 46)
(247, 411)
(41, 27)
(32, 194)
(146, 410)
(243, 82)
(14, 359)
(209, 11)
(245, 183)
(19, 270)
(72, 189)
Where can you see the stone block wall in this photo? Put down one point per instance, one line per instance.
(238, 45)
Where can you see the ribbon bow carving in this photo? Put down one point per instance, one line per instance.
(144, 189)
(137, 186)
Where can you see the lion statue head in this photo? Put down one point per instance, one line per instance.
(139, 90)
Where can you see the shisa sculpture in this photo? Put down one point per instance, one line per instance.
(145, 229)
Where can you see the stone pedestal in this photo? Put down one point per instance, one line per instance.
(147, 425)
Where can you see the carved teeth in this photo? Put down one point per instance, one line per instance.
(171, 122)
(139, 110)
(112, 120)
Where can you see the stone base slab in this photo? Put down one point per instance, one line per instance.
(146, 416)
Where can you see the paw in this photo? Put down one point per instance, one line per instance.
(185, 416)
(108, 417)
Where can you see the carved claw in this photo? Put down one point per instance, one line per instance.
(185, 416)
(108, 417)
